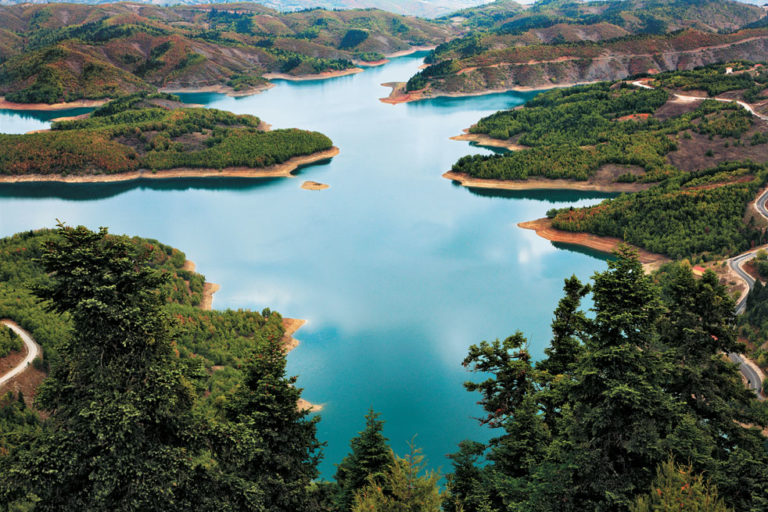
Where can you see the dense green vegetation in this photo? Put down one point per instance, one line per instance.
(65, 52)
(203, 339)
(677, 487)
(754, 322)
(573, 132)
(680, 217)
(631, 134)
(117, 365)
(9, 341)
(619, 392)
(715, 80)
(17, 422)
(153, 133)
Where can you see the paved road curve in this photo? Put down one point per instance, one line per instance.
(32, 352)
(752, 376)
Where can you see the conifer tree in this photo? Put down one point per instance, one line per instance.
(677, 489)
(120, 435)
(403, 486)
(278, 451)
(369, 458)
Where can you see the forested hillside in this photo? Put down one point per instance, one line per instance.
(638, 384)
(64, 52)
(153, 132)
(629, 407)
(556, 43)
(703, 159)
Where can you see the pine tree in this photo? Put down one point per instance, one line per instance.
(401, 487)
(369, 458)
(620, 411)
(677, 489)
(120, 434)
(466, 490)
(278, 451)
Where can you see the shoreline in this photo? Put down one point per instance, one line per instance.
(317, 76)
(288, 342)
(283, 170)
(10, 105)
(541, 184)
(388, 56)
(219, 89)
(398, 95)
(482, 139)
(605, 244)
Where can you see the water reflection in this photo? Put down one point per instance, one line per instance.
(396, 270)
(544, 195)
(94, 191)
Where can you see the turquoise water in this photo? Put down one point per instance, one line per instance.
(396, 269)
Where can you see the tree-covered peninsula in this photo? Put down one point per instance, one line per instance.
(691, 145)
(145, 135)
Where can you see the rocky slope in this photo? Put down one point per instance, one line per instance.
(544, 66)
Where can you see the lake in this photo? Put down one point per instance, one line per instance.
(396, 269)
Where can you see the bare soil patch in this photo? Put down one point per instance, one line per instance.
(27, 383)
(691, 154)
(674, 108)
(12, 360)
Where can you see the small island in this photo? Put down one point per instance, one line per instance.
(314, 185)
(156, 136)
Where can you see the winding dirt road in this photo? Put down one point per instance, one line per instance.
(33, 351)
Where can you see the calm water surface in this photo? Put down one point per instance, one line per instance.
(396, 269)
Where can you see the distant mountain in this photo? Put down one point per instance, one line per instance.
(423, 8)
(557, 42)
(66, 52)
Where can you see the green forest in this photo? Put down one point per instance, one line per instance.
(680, 217)
(632, 406)
(153, 132)
(9, 341)
(571, 133)
(692, 207)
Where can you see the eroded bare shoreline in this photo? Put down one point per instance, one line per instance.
(318, 76)
(398, 94)
(543, 228)
(466, 180)
(283, 170)
(487, 141)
